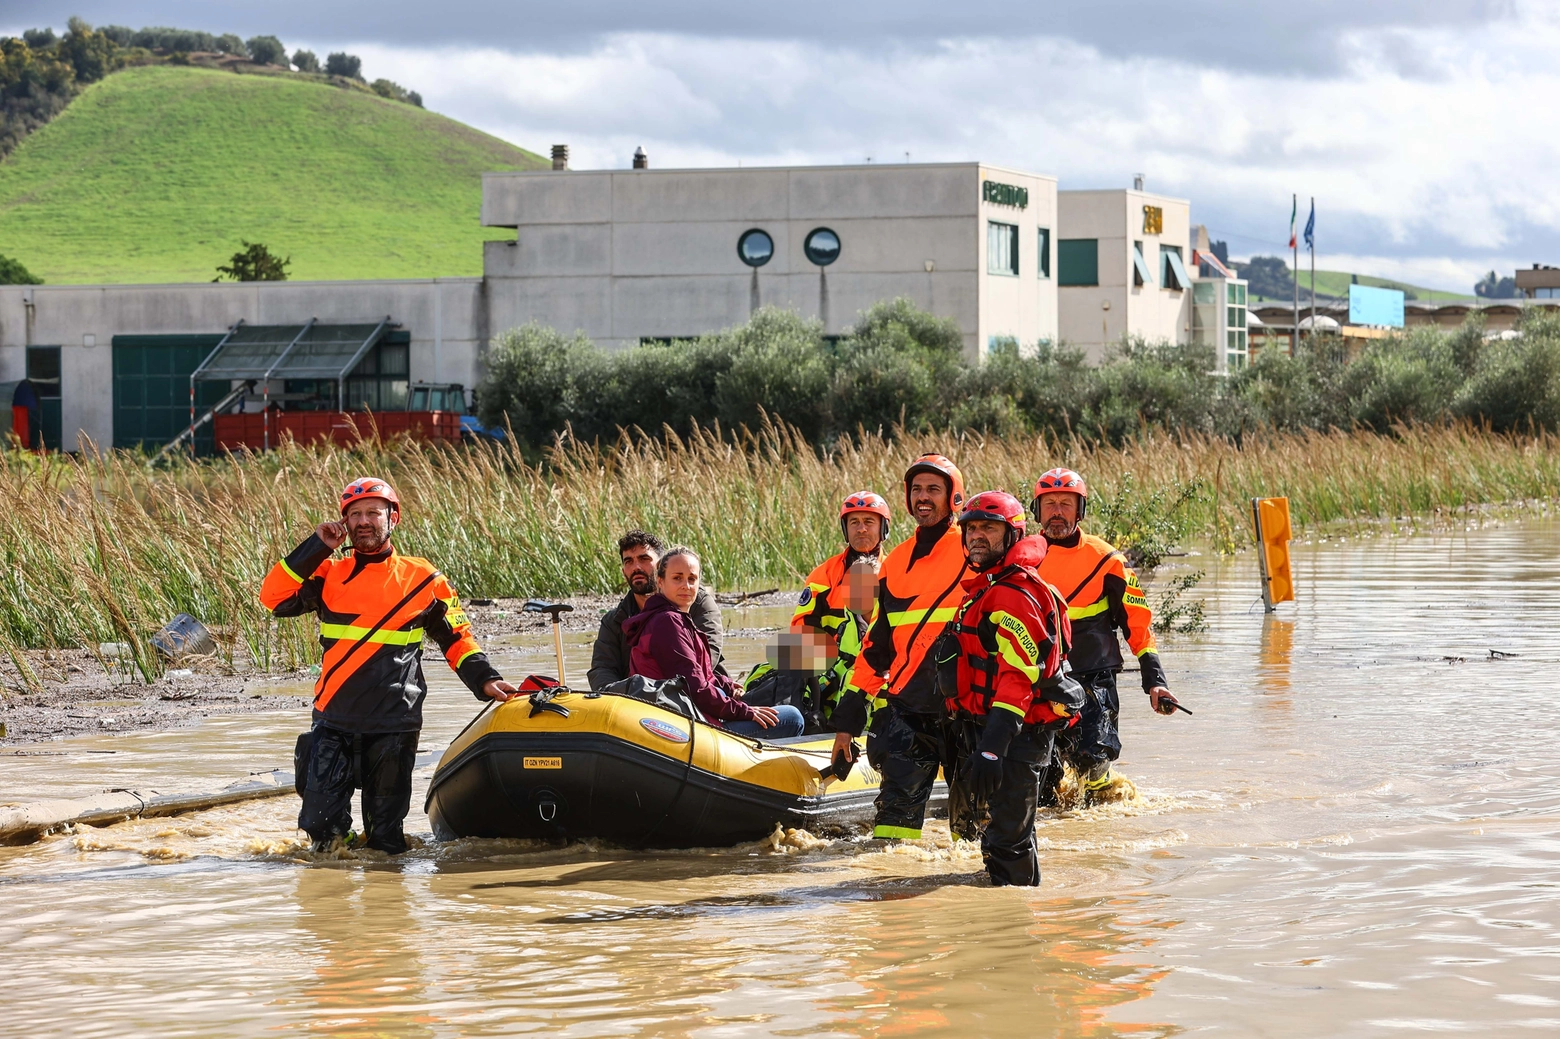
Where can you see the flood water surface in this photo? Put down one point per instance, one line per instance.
(1357, 834)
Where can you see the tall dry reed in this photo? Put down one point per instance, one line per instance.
(102, 549)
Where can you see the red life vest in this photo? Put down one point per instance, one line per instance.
(1012, 634)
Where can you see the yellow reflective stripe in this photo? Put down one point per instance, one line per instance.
(1007, 707)
(896, 833)
(818, 591)
(1078, 613)
(382, 636)
(946, 613)
(464, 656)
(1146, 649)
(1019, 648)
(284, 566)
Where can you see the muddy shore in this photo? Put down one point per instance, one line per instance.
(85, 692)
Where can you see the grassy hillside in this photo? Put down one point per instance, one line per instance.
(1336, 283)
(155, 174)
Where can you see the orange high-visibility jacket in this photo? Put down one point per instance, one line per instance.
(919, 592)
(1103, 597)
(823, 604)
(374, 612)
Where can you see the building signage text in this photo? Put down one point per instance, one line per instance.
(1153, 220)
(1004, 194)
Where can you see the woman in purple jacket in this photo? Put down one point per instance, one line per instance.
(664, 643)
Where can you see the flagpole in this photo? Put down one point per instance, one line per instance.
(1294, 241)
(1311, 243)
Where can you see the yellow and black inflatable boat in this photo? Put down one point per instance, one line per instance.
(592, 765)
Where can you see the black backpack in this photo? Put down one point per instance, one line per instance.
(670, 694)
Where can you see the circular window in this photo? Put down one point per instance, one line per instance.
(822, 246)
(755, 247)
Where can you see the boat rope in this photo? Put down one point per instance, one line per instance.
(693, 729)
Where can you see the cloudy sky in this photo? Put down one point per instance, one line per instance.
(1426, 129)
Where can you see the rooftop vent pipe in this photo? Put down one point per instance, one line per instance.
(560, 156)
(1137, 178)
(641, 160)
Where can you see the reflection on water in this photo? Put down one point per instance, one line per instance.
(1278, 640)
(1354, 835)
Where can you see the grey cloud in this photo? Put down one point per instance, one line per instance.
(1295, 39)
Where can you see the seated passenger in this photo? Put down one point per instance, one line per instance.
(638, 553)
(664, 643)
(810, 667)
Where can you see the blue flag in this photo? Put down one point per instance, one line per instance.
(1310, 228)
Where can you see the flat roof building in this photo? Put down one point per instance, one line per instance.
(626, 256)
(1122, 268)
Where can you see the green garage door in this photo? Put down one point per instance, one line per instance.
(152, 389)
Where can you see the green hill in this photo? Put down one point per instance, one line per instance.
(155, 174)
(1336, 283)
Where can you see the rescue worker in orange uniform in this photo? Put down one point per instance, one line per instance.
(839, 590)
(1103, 597)
(1001, 665)
(919, 592)
(375, 606)
(864, 522)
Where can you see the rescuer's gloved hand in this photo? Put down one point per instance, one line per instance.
(983, 772)
(1001, 728)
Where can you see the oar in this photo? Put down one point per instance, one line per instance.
(553, 610)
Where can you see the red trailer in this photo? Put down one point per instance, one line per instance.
(257, 430)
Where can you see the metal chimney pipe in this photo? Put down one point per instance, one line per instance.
(641, 160)
(1137, 181)
(560, 156)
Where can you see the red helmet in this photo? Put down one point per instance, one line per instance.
(943, 466)
(1061, 480)
(996, 505)
(865, 501)
(369, 487)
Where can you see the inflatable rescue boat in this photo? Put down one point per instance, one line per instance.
(567, 765)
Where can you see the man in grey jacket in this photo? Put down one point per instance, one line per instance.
(639, 552)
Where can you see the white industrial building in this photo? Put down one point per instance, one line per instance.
(1123, 268)
(627, 256)
(630, 255)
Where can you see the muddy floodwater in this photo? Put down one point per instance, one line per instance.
(1357, 834)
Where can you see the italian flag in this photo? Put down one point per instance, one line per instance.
(1294, 210)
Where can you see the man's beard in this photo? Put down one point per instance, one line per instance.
(983, 559)
(369, 542)
(1059, 529)
(641, 584)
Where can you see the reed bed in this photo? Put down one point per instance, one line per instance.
(104, 549)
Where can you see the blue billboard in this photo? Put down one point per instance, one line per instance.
(1372, 306)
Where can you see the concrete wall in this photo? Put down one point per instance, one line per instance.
(1096, 317)
(622, 255)
(445, 317)
(1022, 307)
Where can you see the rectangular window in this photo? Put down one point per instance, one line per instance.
(1077, 261)
(1172, 272)
(1001, 248)
(43, 370)
(1140, 272)
(1045, 252)
(1203, 292)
